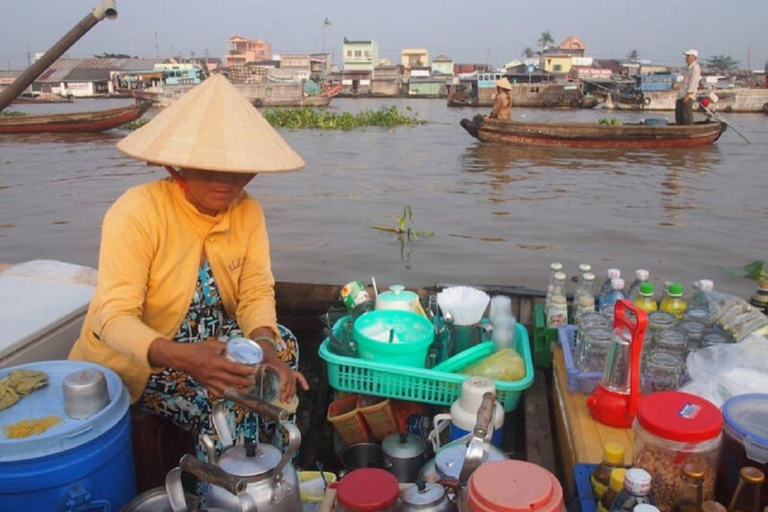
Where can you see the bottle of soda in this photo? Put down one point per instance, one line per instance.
(746, 497)
(554, 268)
(641, 276)
(613, 458)
(557, 313)
(645, 299)
(616, 293)
(673, 301)
(605, 289)
(584, 298)
(689, 494)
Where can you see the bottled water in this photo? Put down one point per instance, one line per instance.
(616, 293)
(605, 289)
(641, 276)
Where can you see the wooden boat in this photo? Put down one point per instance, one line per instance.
(80, 122)
(35, 100)
(592, 135)
(736, 100)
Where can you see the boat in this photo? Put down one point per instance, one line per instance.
(42, 98)
(479, 92)
(76, 122)
(592, 135)
(735, 100)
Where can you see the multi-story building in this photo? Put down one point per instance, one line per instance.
(241, 51)
(360, 55)
(442, 65)
(414, 58)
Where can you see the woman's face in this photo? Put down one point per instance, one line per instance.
(213, 191)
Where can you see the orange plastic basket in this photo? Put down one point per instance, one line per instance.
(380, 418)
(347, 420)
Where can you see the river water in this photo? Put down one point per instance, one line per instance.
(499, 214)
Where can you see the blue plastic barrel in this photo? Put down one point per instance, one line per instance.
(76, 466)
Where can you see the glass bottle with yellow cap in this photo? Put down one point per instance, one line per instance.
(613, 458)
(616, 485)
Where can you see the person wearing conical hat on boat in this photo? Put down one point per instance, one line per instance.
(502, 101)
(686, 94)
(184, 265)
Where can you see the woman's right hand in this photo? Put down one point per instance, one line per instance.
(204, 361)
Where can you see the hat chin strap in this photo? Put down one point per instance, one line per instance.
(177, 178)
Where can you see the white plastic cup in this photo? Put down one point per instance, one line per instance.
(503, 333)
(500, 305)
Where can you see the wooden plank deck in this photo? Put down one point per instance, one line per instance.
(580, 438)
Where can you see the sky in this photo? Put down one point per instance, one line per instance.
(494, 31)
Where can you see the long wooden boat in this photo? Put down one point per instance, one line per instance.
(592, 135)
(81, 122)
(36, 100)
(736, 100)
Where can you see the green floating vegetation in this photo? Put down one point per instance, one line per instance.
(386, 117)
(134, 125)
(10, 113)
(612, 121)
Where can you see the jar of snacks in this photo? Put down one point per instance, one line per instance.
(671, 429)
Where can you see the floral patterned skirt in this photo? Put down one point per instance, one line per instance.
(177, 396)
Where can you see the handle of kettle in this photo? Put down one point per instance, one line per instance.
(439, 422)
(212, 474)
(294, 440)
(175, 491)
(257, 405)
(485, 415)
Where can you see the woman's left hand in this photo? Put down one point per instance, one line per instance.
(289, 378)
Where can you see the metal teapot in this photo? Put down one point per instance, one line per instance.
(245, 478)
(429, 497)
(458, 459)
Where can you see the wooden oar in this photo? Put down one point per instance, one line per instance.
(718, 118)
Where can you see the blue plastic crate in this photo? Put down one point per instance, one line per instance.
(578, 381)
(584, 500)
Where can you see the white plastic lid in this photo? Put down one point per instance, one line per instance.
(642, 274)
(585, 267)
(556, 266)
(706, 285)
(614, 273)
(638, 481)
(617, 283)
(645, 507)
(589, 276)
(560, 275)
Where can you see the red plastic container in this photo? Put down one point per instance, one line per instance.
(513, 486)
(368, 490)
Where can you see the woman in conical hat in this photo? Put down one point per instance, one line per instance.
(502, 101)
(184, 263)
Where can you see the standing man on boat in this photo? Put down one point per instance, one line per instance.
(686, 94)
(502, 101)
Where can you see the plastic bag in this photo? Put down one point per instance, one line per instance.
(719, 372)
(736, 315)
(503, 365)
(51, 270)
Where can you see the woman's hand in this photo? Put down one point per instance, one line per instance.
(289, 378)
(204, 361)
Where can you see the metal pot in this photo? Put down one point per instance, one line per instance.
(426, 497)
(361, 456)
(245, 478)
(403, 456)
(154, 500)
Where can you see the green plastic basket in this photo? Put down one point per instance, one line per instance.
(419, 384)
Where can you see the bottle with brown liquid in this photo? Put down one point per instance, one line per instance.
(613, 457)
(713, 506)
(746, 498)
(689, 495)
(616, 485)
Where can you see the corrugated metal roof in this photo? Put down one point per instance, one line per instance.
(87, 75)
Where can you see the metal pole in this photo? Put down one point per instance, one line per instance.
(105, 9)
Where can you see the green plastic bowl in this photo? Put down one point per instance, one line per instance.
(412, 336)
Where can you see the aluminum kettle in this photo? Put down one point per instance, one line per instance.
(245, 478)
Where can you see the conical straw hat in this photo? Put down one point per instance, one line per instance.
(504, 84)
(213, 127)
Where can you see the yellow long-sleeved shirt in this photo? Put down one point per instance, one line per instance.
(151, 246)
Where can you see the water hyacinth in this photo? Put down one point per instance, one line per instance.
(386, 117)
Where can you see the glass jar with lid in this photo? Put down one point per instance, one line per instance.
(697, 315)
(671, 429)
(595, 344)
(662, 371)
(693, 333)
(714, 337)
(673, 340)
